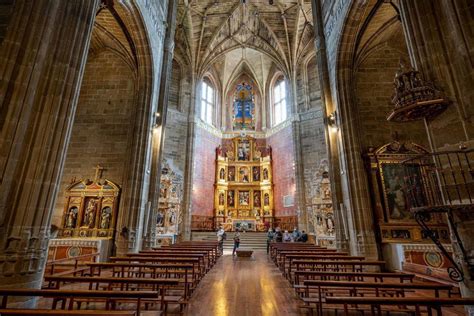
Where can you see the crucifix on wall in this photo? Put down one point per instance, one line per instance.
(99, 170)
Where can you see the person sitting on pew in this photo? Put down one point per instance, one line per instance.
(278, 235)
(286, 236)
(303, 237)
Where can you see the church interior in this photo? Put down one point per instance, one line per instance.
(237, 157)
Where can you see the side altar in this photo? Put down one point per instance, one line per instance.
(243, 196)
(89, 219)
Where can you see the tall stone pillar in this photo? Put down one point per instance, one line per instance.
(41, 65)
(159, 135)
(439, 37)
(332, 138)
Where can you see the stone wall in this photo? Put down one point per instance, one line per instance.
(204, 172)
(283, 157)
(373, 90)
(101, 130)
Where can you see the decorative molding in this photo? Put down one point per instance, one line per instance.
(425, 247)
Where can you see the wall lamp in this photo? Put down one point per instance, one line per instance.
(156, 124)
(332, 121)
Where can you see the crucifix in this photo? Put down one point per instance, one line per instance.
(98, 172)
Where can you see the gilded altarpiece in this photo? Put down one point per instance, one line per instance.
(91, 209)
(399, 185)
(244, 188)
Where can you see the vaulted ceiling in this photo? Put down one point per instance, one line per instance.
(209, 29)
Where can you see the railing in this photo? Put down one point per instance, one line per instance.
(442, 183)
(75, 262)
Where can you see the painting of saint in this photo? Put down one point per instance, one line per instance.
(160, 219)
(222, 174)
(256, 199)
(403, 189)
(231, 174)
(265, 174)
(266, 199)
(221, 198)
(244, 175)
(256, 173)
(231, 198)
(244, 198)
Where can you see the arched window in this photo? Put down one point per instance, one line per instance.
(279, 102)
(207, 103)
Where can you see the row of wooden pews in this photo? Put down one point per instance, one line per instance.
(160, 280)
(330, 281)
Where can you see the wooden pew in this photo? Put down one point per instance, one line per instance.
(73, 295)
(369, 288)
(202, 262)
(351, 276)
(143, 270)
(343, 265)
(288, 259)
(417, 303)
(208, 256)
(154, 260)
(51, 312)
(126, 284)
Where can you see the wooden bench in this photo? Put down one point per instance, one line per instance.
(143, 270)
(73, 295)
(127, 284)
(375, 303)
(369, 288)
(351, 276)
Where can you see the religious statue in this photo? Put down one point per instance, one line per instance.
(105, 217)
(256, 199)
(160, 219)
(172, 217)
(71, 218)
(244, 198)
(266, 199)
(222, 174)
(221, 198)
(90, 213)
(219, 151)
(231, 174)
(230, 198)
(265, 174)
(256, 173)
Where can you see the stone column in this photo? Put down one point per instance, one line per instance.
(329, 107)
(159, 134)
(41, 66)
(439, 38)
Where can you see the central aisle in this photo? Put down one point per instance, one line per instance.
(244, 287)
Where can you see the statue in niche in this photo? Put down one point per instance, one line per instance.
(231, 199)
(231, 174)
(105, 217)
(222, 174)
(160, 219)
(221, 198)
(90, 213)
(256, 199)
(266, 199)
(172, 217)
(265, 174)
(72, 217)
(256, 173)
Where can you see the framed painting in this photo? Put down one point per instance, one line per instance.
(402, 189)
